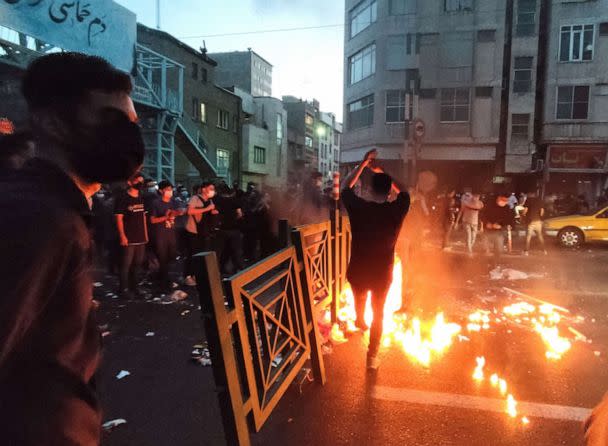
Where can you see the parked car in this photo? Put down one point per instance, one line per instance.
(573, 230)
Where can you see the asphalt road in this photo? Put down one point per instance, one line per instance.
(168, 400)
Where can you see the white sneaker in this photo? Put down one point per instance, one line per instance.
(373, 362)
(190, 281)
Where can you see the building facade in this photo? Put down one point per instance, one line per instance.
(264, 157)
(573, 140)
(446, 61)
(303, 153)
(329, 135)
(245, 70)
(208, 135)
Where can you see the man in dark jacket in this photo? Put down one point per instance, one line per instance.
(82, 120)
(375, 228)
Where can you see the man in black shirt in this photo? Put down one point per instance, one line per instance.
(164, 240)
(230, 237)
(497, 218)
(130, 214)
(534, 212)
(82, 120)
(375, 227)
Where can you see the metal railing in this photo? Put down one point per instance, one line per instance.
(193, 133)
(262, 323)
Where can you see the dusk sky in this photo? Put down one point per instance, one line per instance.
(307, 63)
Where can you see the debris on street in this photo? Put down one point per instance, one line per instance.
(109, 425)
(122, 374)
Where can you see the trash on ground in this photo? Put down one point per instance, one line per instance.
(185, 312)
(150, 334)
(511, 274)
(98, 284)
(596, 353)
(277, 360)
(178, 295)
(109, 425)
(105, 333)
(122, 374)
(327, 348)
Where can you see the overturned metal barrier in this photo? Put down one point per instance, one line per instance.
(261, 331)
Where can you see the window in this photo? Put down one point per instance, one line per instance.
(223, 162)
(204, 74)
(522, 80)
(576, 43)
(395, 58)
(363, 64)
(572, 102)
(223, 119)
(309, 120)
(398, 7)
(483, 92)
(259, 155)
(203, 112)
(362, 16)
(486, 35)
(604, 29)
(458, 5)
(194, 70)
(279, 129)
(361, 112)
(395, 106)
(526, 17)
(308, 141)
(520, 126)
(455, 105)
(195, 109)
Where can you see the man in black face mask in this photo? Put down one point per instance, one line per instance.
(131, 224)
(82, 119)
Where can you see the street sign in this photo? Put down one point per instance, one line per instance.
(101, 28)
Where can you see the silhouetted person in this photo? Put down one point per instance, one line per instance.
(497, 218)
(534, 213)
(82, 118)
(15, 150)
(375, 227)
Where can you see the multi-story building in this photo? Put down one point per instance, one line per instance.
(439, 61)
(208, 135)
(329, 133)
(573, 124)
(303, 155)
(264, 157)
(446, 62)
(246, 70)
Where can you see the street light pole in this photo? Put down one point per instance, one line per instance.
(157, 14)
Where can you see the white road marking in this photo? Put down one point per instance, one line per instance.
(529, 409)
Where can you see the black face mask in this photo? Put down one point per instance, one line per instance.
(111, 151)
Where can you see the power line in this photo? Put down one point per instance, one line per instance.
(263, 31)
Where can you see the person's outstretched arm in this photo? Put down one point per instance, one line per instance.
(352, 178)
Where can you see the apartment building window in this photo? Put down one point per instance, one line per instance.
(194, 70)
(204, 74)
(486, 35)
(395, 57)
(576, 43)
(259, 155)
(395, 106)
(458, 5)
(361, 112)
(522, 79)
(455, 104)
(223, 162)
(362, 16)
(520, 126)
(203, 112)
(308, 141)
(572, 102)
(363, 64)
(279, 129)
(309, 120)
(398, 7)
(526, 17)
(223, 119)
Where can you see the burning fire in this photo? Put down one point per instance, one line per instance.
(420, 340)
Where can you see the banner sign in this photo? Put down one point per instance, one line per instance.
(97, 27)
(590, 158)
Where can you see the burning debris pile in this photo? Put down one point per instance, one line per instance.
(425, 341)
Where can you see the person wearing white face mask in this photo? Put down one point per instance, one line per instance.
(162, 218)
(199, 228)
